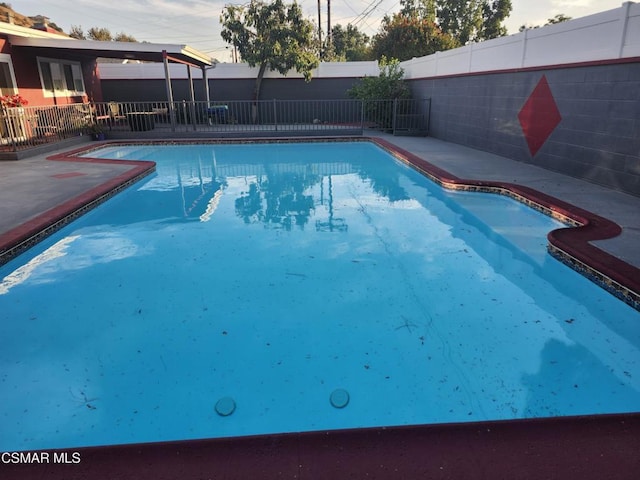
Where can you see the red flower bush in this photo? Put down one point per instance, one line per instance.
(13, 101)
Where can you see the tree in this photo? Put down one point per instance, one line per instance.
(425, 9)
(407, 37)
(423, 27)
(472, 20)
(460, 18)
(101, 34)
(270, 35)
(77, 32)
(349, 44)
(559, 18)
(123, 37)
(492, 17)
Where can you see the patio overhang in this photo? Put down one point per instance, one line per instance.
(148, 52)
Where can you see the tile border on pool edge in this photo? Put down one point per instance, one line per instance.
(569, 245)
(21, 238)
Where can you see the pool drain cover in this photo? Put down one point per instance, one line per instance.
(225, 406)
(339, 398)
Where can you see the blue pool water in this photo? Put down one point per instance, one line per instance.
(249, 289)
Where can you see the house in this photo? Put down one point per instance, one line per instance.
(58, 78)
(48, 68)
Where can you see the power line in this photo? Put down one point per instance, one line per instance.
(368, 11)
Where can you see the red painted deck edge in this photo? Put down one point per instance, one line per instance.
(37, 224)
(585, 448)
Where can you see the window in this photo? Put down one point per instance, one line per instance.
(7, 78)
(60, 77)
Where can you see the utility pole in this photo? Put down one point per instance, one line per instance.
(328, 23)
(319, 31)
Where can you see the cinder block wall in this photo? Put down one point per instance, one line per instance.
(585, 122)
(154, 90)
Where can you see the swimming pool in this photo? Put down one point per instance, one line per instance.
(276, 275)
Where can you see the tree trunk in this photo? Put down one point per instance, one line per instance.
(256, 92)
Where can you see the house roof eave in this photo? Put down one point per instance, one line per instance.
(28, 32)
(126, 50)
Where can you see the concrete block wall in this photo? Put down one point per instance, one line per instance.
(229, 81)
(597, 137)
(154, 90)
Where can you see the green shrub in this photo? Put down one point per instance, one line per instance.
(378, 93)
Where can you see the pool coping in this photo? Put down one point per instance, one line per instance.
(19, 239)
(592, 446)
(569, 245)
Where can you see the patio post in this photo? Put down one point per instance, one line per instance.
(167, 78)
(192, 95)
(207, 96)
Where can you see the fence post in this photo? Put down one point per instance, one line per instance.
(194, 115)
(395, 113)
(5, 118)
(362, 116)
(184, 113)
(275, 116)
(427, 113)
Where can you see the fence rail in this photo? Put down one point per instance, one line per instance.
(26, 127)
(22, 128)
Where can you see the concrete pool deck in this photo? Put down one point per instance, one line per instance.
(36, 191)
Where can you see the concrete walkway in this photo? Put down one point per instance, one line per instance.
(31, 187)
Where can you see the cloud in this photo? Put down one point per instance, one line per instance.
(90, 248)
(570, 4)
(196, 22)
(23, 273)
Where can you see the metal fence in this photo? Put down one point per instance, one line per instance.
(27, 127)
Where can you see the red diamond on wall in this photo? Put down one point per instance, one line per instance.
(539, 116)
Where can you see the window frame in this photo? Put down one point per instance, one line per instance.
(6, 58)
(58, 76)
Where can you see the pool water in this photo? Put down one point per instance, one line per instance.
(250, 289)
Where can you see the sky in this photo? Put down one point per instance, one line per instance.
(197, 22)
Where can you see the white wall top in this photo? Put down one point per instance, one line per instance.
(608, 35)
(114, 71)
